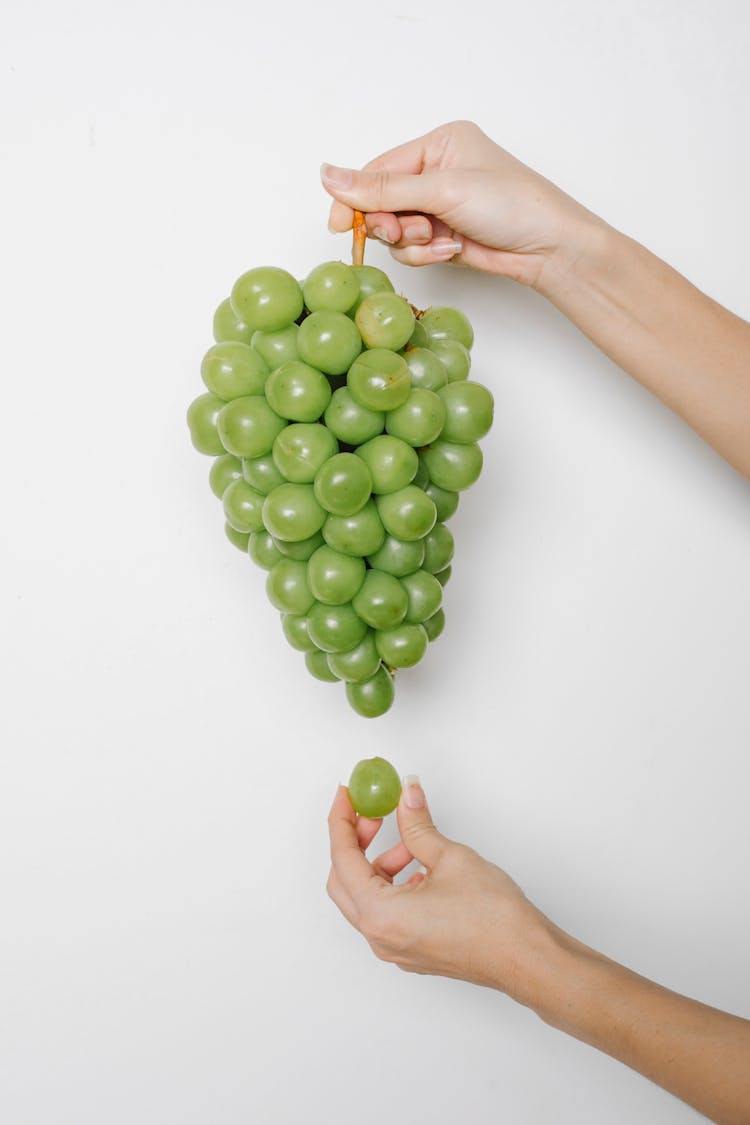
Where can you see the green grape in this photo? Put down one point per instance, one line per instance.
(371, 280)
(425, 369)
(334, 578)
(454, 357)
(385, 320)
(451, 466)
(468, 412)
(382, 601)
(301, 549)
(261, 473)
(243, 507)
(443, 323)
(434, 625)
(300, 450)
(398, 557)
(444, 575)
(350, 422)
(332, 285)
(287, 588)
(276, 347)
(202, 415)
(425, 596)
(419, 337)
(421, 477)
(294, 628)
(267, 298)
(372, 697)
(335, 628)
(247, 426)
(229, 326)
(392, 463)
(445, 502)
(329, 341)
(374, 788)
(238, 539)
(343, 484)
(419, 420)
(379, 380)
(224, 470)
(298, 392)
(439, 546)
(359, 663)
(407, 514)
(402, 647)
(263, 551)
(292, 513)
(317, 665)
(231, 370)
(361, 534)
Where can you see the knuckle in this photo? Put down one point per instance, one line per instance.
(381, 179)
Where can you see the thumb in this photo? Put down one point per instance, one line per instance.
(418, 833)
(381, 190)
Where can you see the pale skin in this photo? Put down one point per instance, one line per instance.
(454, 195)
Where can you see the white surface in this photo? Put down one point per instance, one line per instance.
(167, 951)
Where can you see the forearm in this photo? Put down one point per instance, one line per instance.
(689, 351)
(700, 1054)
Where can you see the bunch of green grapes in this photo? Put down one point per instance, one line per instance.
(343, 427)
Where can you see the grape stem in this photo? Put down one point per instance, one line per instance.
(359, 233)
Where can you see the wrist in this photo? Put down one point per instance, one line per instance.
(585, 246)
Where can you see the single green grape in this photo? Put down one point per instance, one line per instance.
(439, 546)
(402, 647)
(398, 557)
(335, 628)
(445, 502)
(331, 285)
(425, 369)
(329, 341)
(301, 449)
(385, 320)
(361, 534)
(425, 595)
(228, 326)
(224, 470)
(374, 788)
(451, 466)
(379, 380)
(407, 514)
(267, 298)
(350, 422)
(287, 588)
(391, 462)
(434, 625)
(262, 550)
(359, 663)
(454, 357)
(371, 280)
(343, 484)
(238, 539)
(372, 697)
(243, 506)
(247, 426)
(317, 665)
(292, 513)
(443, 323)
(334, 578)
(419, 337)
(469, 409)
(294, 628)
(421, 477)
(301, 548)
(443, 576)
(419, 420)
(298, 392)
(262, 473)
(231, 370)
(382, 601)
(202, 416)
(276, 347)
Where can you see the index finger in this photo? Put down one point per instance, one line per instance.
(347, 858)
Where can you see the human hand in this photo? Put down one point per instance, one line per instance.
(454, 195)
(463, 918)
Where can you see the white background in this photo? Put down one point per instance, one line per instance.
(167, 950)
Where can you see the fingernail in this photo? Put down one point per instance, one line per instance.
(383, 235)
(417, 232)
(413, 792)
(445, 247)
(336, 177)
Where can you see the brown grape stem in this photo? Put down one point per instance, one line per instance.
(359, 232)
